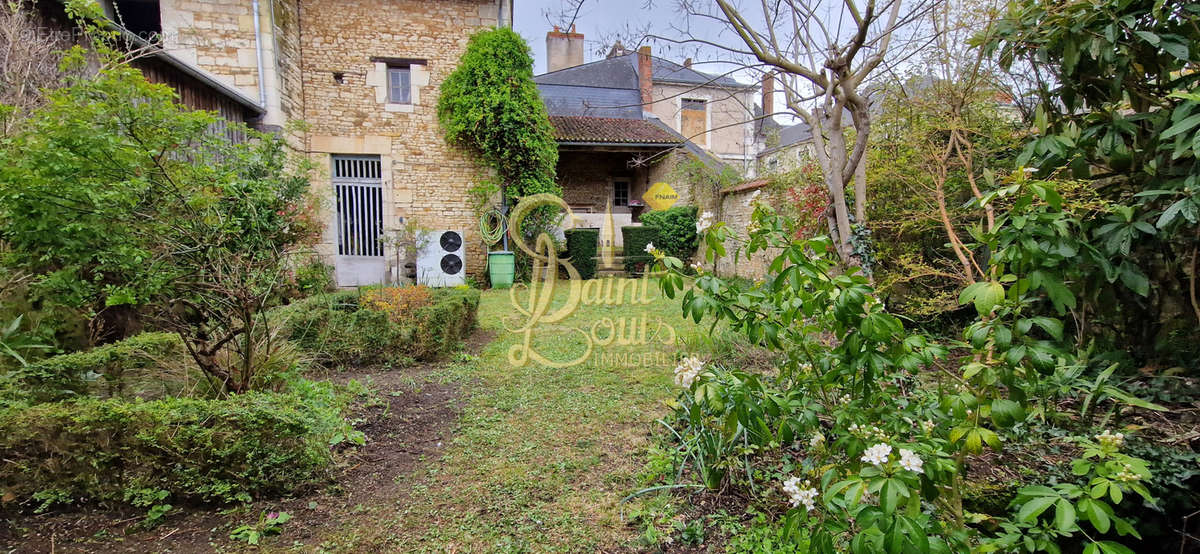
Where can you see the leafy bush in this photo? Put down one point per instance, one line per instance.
(338, 330)
(581, 249)
(82, 191)
(198, 450)
(636, 237)
(490, 105)
(676, 230)
(145, 365)
(314, 277)
(863, 427)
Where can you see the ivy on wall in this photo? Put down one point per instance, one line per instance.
(491, 105)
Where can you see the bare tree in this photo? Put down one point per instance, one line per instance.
(565, 16)
(29, 58)
(823, 52)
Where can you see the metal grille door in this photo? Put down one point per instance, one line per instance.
(358, 191)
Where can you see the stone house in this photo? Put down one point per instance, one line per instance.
(363, 77)
(624, 122)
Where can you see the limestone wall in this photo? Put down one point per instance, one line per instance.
(735, 211)
(216, 36)
(425, 179)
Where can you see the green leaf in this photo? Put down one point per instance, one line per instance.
(1183, 126)
(1006, 413)
(1064, 515)
(988, 296)
(1051, 326)
(1148, 37)
(1110, 547)
(1034, 507)
(1097, 515)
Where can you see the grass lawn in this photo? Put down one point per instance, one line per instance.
(542, 455)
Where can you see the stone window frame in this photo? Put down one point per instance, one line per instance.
(379, 75)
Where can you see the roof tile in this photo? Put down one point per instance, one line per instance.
(612, 130)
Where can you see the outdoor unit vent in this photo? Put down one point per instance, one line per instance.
(441, 259)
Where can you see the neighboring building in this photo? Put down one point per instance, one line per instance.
(711, 111)
(197, 89)
(781, 148)
(786, 148)
(617, 134)
(363, 76)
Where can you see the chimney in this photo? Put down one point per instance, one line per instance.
(645, 75)
(768, 93)
(687, 63)
(563, 50)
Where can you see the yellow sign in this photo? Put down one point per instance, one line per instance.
(660, 196)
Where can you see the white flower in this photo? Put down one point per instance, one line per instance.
(816, 441)
(687, 371)
(927, 426)
(1127, 474)
(877, 454)
(649, 247)
(753, 196)
(705, 221)
(1111, 440)
(697, 267)
(798, 496)
(910, 461)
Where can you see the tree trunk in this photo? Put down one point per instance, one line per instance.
(860, 191)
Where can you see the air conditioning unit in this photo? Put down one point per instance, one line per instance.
(441, 259)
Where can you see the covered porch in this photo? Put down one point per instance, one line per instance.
(605, 166)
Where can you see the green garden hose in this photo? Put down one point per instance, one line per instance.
(492, 226)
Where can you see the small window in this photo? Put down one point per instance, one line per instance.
(693, 120)
(620, 193)
(399, 85)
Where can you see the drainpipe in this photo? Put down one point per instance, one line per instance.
(500, 21)
(262, 90)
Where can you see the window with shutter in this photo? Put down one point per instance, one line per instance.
(693, 120)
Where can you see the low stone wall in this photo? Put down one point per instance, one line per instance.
(735, 210)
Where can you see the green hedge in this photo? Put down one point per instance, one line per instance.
(581, 248)
(149, 365)
(636, 237)
(197, 450)
(332, 327)
(676, 230)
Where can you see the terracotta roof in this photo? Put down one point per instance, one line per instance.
(608, 129)
(748, 185)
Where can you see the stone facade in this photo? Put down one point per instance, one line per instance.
(730, 121)
(425, 180)
(325, 63)
(216, 36)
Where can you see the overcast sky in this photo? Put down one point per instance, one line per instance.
(597, 20)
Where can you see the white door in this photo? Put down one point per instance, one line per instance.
(358, 192)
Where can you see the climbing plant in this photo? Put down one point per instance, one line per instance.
(490, 105)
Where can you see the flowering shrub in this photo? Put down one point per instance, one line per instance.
(399, 303)
(807, 201)
(866, 429)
